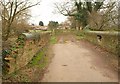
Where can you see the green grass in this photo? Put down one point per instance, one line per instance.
(40, 60)
(37, 58)
(44, 63)
(53, 40)
(79, 35)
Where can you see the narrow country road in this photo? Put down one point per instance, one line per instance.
(77, 61)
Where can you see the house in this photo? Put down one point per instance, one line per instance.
(44, 28)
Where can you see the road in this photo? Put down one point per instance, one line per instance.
(78, 61)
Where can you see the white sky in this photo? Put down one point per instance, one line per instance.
(44, 12)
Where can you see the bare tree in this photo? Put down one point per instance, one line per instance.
(104, 17)
(79, 10)
(96, 14)
(72, 22)
(12, 9)
(65, 8)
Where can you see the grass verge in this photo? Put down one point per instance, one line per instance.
(53, 40)
(33, 71)
(79, 34)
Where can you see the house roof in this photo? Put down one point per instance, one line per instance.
(40, 27)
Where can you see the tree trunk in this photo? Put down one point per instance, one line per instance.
(7, 33)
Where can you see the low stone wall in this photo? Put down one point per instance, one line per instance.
(107, 40)
(23, 50)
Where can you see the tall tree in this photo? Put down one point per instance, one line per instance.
(80, 10)
(103, 18)
(11, 10)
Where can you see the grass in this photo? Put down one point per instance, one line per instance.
(40, 60)
(37, 58)
(109, 40)
(34, 67)
(59, 32)
(38, 63)
(79, 35)
(44, 63)
(53, 40)
(16, 76)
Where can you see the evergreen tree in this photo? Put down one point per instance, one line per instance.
(41, 23)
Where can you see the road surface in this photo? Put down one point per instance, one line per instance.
(77, 61)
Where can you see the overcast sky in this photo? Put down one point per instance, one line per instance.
(45, 12)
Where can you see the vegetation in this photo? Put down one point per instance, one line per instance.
(12, 53)
(79, 35)
(53, 25)
(84, 16)
(53, 40)
(14, 12)
(109, 41)
(95, 15)
(41, 23)
(35, 67)
(37, 58)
